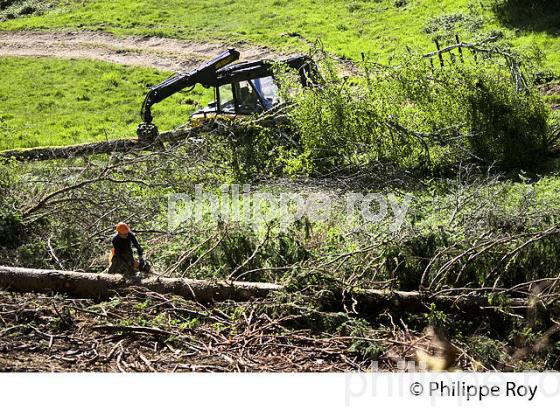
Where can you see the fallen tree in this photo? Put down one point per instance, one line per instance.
(94, 148)
(103, 286)
(71, 151)
(276, 117)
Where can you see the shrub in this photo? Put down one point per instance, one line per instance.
(11, 225)
(10, 9)
(533, 15)
(11, 229)
(508, 127)
(515, 8)
(414, 115)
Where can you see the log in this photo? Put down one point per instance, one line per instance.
(420, 301)
(102, 286)
(94, 148)
(70, 151)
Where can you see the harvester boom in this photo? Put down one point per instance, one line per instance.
(205, 75)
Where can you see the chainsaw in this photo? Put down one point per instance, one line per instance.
(142, 266)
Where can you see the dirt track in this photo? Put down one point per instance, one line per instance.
(153, 52)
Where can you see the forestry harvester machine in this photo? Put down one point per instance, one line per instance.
(240, 90)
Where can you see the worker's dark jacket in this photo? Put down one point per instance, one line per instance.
(123, 246)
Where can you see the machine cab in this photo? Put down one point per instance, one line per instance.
(247, 89)
(241, 98)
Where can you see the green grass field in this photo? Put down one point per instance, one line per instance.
(376, 27)
(59, 102)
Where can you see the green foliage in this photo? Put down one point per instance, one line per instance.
(530, 15)
(252, 256)
(366, 347)
(406, 259)
(12, 230)
(413, 114)
(487, 350)
(33, 253)
(511, 128)
(247, 148)
(436, 318)
(454, 247)
(11, 9)
(448, 24)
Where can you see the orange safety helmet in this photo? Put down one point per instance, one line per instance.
(123, 228)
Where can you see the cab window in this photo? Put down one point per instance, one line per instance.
(248, 101)
(227, 102)
(266, 87)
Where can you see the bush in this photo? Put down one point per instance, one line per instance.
(508, 127)
(414, 115)
(10, 9)
(11, 224)
(510, 7)
(533, 15)
(11, 229)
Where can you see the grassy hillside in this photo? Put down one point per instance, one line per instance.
(346, 27)
(59, 102)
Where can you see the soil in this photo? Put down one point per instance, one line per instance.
(152, 52)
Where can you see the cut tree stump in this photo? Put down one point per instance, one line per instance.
(103, 286)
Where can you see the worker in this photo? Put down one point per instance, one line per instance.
(122, 260)
(248, 101)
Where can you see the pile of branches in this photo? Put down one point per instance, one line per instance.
(63, 216)
(145, 331)
(152, 332)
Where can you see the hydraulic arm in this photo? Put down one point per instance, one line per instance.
(205, 75)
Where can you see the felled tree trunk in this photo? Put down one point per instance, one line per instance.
(71, 151)
(94, 148)
(103, 286)
(421, 302)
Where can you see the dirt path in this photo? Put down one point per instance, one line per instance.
(153, 52)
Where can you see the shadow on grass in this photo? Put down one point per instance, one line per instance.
(530, 15)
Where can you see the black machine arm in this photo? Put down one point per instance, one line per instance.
(205, 75)
(306, 68)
